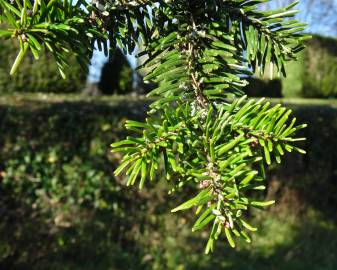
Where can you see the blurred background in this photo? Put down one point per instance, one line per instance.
(62, 208)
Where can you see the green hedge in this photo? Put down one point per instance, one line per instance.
(312, 76)
(37, 76)
(320, 68)
(61, 207)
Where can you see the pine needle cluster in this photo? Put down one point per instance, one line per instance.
(201, 126)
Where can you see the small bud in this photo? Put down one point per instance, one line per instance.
(17, 32)
(216, 212)
(218, 191)
(254, 143)
(29, 13)
(24, 38)
(204, 184)
(93, 16)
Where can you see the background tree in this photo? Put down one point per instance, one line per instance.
(117, 75)
(200, 124)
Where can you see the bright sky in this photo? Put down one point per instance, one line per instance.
(321, 16)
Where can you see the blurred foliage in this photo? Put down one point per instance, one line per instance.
(320, 68)
(312, 76)
(117, 75)
(263, 88)
(37, 76)
(62, 208)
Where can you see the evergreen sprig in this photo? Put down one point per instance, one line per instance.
(222, 150)
(200, 127)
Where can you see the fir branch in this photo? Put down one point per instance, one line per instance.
(199, 53)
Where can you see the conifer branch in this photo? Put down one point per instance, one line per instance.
(201, 127)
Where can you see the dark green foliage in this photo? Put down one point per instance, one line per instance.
(200, 124)
(49, 164)
(264, 88)
(117, 75)
(318, 168)
(37, 76)
(62, 208)
(320, 68)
